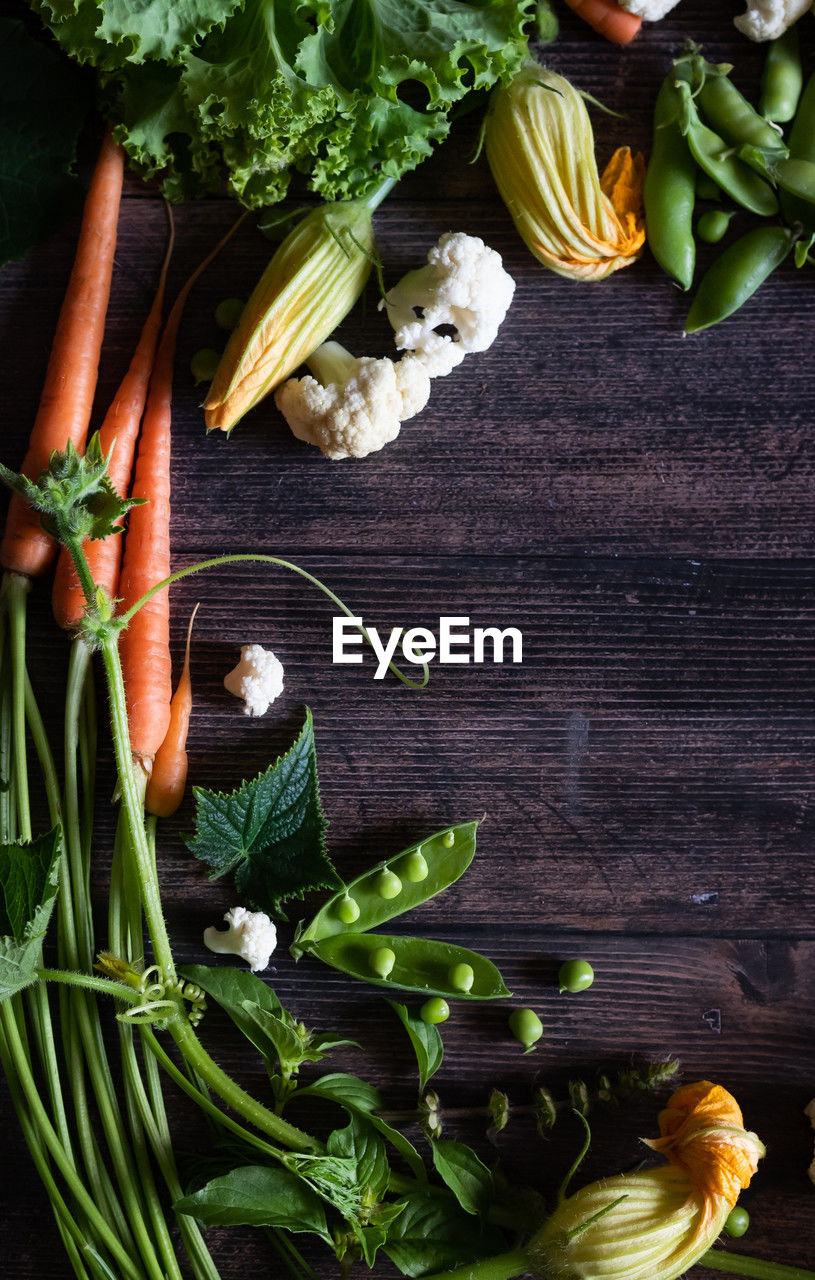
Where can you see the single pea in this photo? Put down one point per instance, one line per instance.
(526, 1026)
(462, 977)
(448, 839)
(388, 884)
(575, 975)
(712, 225)
(228, 313)
(203, 365)
(706, 188)
(382, 962)
(435, 1010)
(737, 1222)
(348, 909)
(415, 868)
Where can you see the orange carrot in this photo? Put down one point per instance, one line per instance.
(144, 646)
(165, 790)
(119, 433)
(608, 19)
(70, 381)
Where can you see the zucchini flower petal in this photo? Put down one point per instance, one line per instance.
(310, 285)
(656, 1223)
(540, 148)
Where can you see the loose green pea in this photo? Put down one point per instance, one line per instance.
(737, 1222)
(348, 909)
(388, 884)
(228, 313)
(203, 365)
(526, 1026)
(462, 977)
(434, 1011)
(575, 975)
(448, 839)
(706, 188)
(415, 868)
(382, 962)
(712, 226)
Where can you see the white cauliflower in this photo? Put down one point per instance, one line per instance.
(463, 285)
(258, 679)
(769, 19)
(251, 935)
(649, 10)
(809, 1112)
(352, 407)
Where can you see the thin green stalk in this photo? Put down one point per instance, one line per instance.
(736, 1264)
(503, 1267)
(18, 588)
(78, 670)
(85, 1202)
(5, 756)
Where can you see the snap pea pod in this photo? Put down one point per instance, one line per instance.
(802, 147)
(412, 964)
(725, 108)
(783, 78)
(796, 177)
(392, 887)
(735, 276)
(726, 169)
(670, 191)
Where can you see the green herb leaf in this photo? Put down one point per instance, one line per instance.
(270, 832)
(426, 1040)
(43, 104)
(29, 882)
(468, 1178)
(433, 1234)
(360, 1142)
(258, 1196)
(358, 1097)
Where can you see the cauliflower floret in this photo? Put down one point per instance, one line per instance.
(464, 285)
(352, 407)
(649, 10)
(251, 935)
(258, 679)
(769, 19)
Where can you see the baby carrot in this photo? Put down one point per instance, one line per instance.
(608, 19)
(165, 790)
(119, 433)
(70, 381)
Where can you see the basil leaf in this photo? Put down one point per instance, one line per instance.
(258, 1196)
(468, 1178)
(360, 1142)
(270, 832)
(29, 882)
(432, 1234)
(358, 1097)
(426, 1041)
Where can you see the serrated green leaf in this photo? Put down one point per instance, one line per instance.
(258, 1196)
(160, 29)
(358, 1097)
(29, 882)
(433, 1234)
(426, 1040)
(465, 1174)
(270, 832)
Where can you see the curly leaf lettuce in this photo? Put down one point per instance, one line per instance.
(347, 92)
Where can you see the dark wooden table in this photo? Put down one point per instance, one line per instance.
(641, 505)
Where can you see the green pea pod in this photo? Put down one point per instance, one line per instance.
(419, 964)
(802, 147)
(783, 78)
(726, 169)
(446, 856)
(670, 191)
(735, 276)
(796, 177)
(726, 110)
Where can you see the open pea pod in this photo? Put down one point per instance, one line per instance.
(394, 886)
(412, 964)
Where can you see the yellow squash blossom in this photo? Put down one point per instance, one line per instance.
(540, 147)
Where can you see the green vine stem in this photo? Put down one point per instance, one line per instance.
(503, 1267)
(738, 1264)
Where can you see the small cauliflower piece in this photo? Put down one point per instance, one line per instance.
(463, 285)
(258, 679)
(251, 935)
(352, 407)
(649, 10)
(769, 19)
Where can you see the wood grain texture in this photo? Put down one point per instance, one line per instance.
(641, 506)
